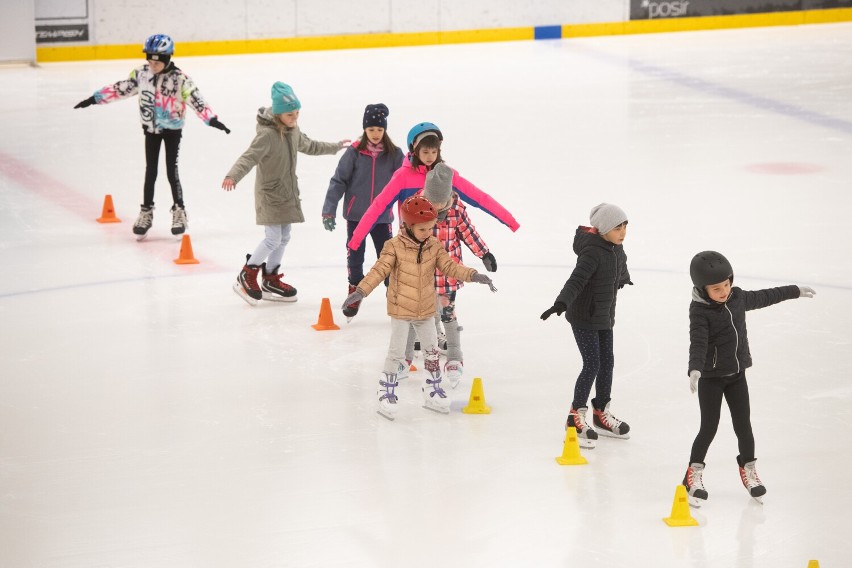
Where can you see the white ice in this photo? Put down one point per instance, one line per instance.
(150, 418)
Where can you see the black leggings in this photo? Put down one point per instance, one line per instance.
(596, 349)
(710, 393)
(171, 139)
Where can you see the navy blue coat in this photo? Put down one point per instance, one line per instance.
(358, 179)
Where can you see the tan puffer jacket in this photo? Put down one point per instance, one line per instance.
(411, 292)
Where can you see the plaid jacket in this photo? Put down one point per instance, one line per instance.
(451, 232)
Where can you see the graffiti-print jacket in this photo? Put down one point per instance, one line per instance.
(162, 97)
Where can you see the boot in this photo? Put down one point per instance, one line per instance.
(143, 222)
(351, 310)
(694, 484)
(586, 436)
(608, 425)
(246, 285)
(274, 288)
(751, 482)
(179, 223)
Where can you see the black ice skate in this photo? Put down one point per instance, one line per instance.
(751, 482)
(692, 480)
(274, 288)
(246, 285)
(143, 222)
(586, 436)
(608, 425)
(351, 310)
(179, 223)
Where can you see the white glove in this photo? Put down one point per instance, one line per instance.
(693, 381)
(806, 292)
(355, 296)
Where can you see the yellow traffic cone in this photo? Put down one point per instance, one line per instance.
(571, 449)
(813, 563)
(476, 404)
(680, 511)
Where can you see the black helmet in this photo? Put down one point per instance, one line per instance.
(709, 267)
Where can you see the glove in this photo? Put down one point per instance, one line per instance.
(806, 292)
(490, 262)
(328, 223)
(86, 102)
(558, 309)
(355, 296)
(343, 144)
(693, 381)
(214, 122)
(483, 279)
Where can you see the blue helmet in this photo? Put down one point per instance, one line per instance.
(421, 128)
(159, 44)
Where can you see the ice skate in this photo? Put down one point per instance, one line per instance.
(692, 480)
(453, 372)
(351, 310)
(608, 425)
(586, 436)
(388, 401)
(246, 285)
(273, 288)
(143, 222)
(434, 397)
(751, 482)
(442, 344)
(179, 223)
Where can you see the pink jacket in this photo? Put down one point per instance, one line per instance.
(408, 181)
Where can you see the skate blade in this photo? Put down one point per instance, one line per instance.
(349, 319)
(141, 237)
(276, 298)
(238, 290)
(585, 443)
(438, 409)
(758, 499)
(386, 415)
(608, 434)
(695, 502)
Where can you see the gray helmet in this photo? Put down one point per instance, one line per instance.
(709, 267)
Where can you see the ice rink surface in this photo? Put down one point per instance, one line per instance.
(150, 418)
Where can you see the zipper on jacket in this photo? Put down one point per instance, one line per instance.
(737, 336)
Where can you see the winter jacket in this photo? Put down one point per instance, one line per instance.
(591, 290)
(162, 97)
(451, 232)
(408, 181)
(276, 186)
(411, 268)
(718, 341)
(359, 177)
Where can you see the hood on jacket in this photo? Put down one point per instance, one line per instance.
(266, 119)
(589, 237)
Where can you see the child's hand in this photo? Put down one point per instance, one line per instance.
(490, 262)
(483, 279)
(86, 102)
(328, 223)
(558, 309)
(353, 298)
(806, 292)
(228, 184)
(693, 381)
(214, 122)
(343, 144)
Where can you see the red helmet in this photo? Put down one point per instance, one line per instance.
(417, 209)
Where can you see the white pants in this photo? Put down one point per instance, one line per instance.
(271, 248)
(425, 330)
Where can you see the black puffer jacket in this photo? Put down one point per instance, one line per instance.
(591, 290)
(718, 340)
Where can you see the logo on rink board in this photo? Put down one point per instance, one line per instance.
(659, 9)
(671, 9)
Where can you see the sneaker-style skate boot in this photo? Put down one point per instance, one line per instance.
(692, 480)
(143, 222)
(351, 310)
(434, 397)
(246, 285)
(453, 372)
(179, 223)
(274, 288)
(586, 436)
(752, 483)
(608, 425)
(388, 401)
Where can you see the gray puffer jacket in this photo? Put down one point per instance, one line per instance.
(276, 186)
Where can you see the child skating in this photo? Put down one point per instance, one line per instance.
(588, 301)
(409, 260)
(364, 169)
(718, 357)
(163, 91)
(276, 192)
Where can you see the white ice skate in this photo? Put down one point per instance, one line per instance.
(694, 483)
(434, 397)
(586, 436)
(404, 370)
(606, 424)
(143, 223)
(388, 401)
(453, 371)
(751, 482)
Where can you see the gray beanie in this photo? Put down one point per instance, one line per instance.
(606, 217)
(439, 184)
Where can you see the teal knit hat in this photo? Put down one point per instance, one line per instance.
(284, 99)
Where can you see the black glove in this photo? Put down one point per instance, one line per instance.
(214, 122)
(558, 309)
(490, 262)
(86, 102)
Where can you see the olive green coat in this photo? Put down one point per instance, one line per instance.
(411, 290)
(276, 186)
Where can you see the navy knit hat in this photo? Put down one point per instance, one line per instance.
(376, 115)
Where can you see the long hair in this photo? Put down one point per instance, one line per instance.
(431, 141)
(390, 147)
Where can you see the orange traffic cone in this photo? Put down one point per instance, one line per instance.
(326, 320)
(108, 213)
(186, 256)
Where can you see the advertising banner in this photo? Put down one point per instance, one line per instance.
(61, 21)
(656, 9)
